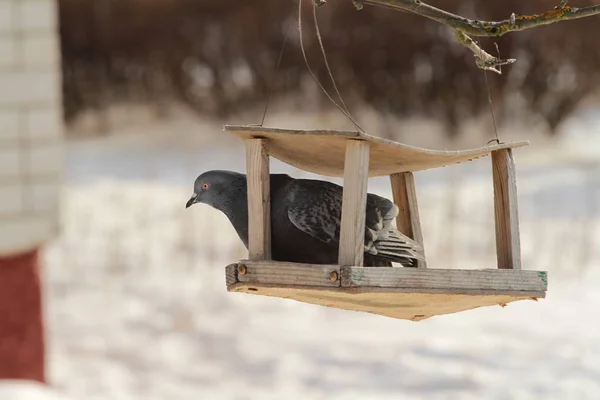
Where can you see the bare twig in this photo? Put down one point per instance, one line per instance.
(483, 59)
(464, 27)
(488, 28)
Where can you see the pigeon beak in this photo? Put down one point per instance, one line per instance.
(191, 201)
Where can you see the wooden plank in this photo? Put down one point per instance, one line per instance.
(323, 151)
(282, 273)
(408, 304)
(508, 245)
(404, 293)
(354, 203)
(449, 280)
(259, 199)
(449, 292)
(231, 275)
(399, 192)
(405, 197)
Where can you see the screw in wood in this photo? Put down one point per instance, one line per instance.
(333, 276)
(242, 270)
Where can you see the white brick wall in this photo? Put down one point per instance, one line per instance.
(8, 52)
(40, 50)
(9, 127)
(6, 16)
(31, 124)
(26, 87)
(44, 123)
(36, 14)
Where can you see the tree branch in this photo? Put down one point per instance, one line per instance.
(488, 28)
(463, 27)
(483, 59)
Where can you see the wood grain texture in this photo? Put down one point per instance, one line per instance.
(403, 293)
(354, 203)
(450, 280)
(231, 275)
(405, 197)
(407, 305)
(284, 273)
(259, 199)
(323, 151)
(508, 244)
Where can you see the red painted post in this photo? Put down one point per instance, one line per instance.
(22, 345)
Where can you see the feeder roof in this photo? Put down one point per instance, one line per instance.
(323, 151)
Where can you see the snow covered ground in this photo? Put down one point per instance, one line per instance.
(28, 390)
(137, 306)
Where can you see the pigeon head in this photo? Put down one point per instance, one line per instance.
(215, 188)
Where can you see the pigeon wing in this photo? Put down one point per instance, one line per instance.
(315, 208)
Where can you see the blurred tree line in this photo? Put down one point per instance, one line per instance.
(219, 56)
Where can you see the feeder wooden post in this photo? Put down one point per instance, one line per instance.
(352, 228)
(405, 197)
(259, 199)
(508, 246)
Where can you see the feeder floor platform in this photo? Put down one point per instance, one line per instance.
(323, 151)
(405, 293)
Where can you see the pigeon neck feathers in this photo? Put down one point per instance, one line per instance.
(233, 202)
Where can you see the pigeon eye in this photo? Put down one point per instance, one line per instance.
(205, 186)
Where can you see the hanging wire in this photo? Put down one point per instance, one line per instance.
(318, 32)
(487, 85)
(347, 114)
(344, 108)
(489, 92)
(287, 30)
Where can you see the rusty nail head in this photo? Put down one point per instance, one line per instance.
(242, 269)
(333, 276)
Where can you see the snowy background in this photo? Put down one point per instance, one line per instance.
(137, 306)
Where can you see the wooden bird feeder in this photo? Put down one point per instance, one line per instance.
(406, 293)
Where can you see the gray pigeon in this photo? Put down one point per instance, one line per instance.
(305, 219)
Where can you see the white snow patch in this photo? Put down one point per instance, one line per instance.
(138, 308)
